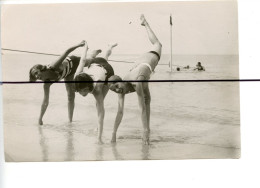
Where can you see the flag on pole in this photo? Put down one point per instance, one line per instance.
(170, 19)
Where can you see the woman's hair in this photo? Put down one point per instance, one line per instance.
(83, 81)
(114, 78)
(32, 78)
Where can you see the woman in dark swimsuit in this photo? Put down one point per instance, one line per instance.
(63, 68)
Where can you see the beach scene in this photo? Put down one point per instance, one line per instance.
(192, 119)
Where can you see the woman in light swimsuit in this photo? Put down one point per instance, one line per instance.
(91, 77)
(140, 73)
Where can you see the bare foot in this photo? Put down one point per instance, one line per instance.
(82, 43)
(143, 20)
(113, 140)
(112, 45)
(94, 53)
(146, 135)
(99, 141)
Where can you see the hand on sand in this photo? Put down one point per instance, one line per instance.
(99, 141)
(40, 122)
(146, 135)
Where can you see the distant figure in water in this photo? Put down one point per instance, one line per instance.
(199, 67)
(182, 68)
(139, 74)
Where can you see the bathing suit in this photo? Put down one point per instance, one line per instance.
(70, 67)
(145, 72)
(155, 53)
(99, 70)
(99, 61)
(148, 65)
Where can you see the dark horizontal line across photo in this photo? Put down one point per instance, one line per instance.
(216, 80)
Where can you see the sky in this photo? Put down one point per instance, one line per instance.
(204, 27)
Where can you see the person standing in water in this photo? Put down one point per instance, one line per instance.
(139, 76)
(91, 77)
(64, 67)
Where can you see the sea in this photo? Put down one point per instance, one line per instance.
(189, 120)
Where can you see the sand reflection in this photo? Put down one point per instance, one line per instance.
(99, 152)
(115, 152)
(70, 148)
(145, 151)
(43, 144)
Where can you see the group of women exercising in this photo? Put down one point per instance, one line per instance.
(93, 74)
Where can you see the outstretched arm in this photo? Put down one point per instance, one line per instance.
(58, 62)
(119, 115)
(83, 60)
(45, 102)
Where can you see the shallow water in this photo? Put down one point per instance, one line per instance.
(188, 119)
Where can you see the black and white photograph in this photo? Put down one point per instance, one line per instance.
(120, 81)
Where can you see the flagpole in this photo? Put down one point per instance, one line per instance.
(171, 38)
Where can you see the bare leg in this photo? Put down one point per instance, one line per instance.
(83, 60)
(109, 50)
(140, 87)
(152, 37)
(89, 59)
(94, 53)
(147, 99)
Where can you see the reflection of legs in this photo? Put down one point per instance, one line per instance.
(109, 50)
(43, 144)
(70, 145)
(71, 96)
(157, 46)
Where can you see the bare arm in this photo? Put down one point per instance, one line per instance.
(119, 115)
(83, 60)
(59, 61)
(45, 102)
